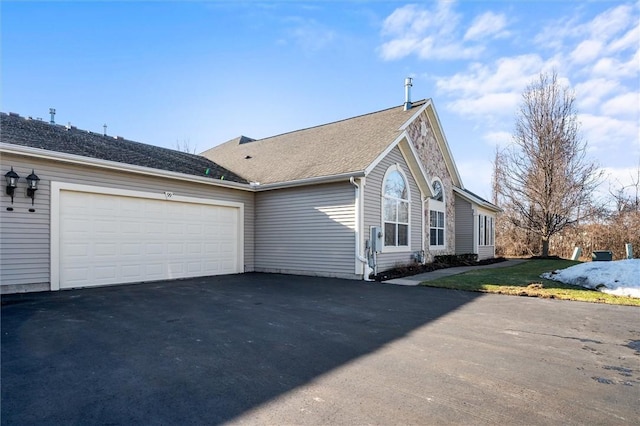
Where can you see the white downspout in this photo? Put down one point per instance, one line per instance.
(424, 230)
(476, 233)
(359, 257)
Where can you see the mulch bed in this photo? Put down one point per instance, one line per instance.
(417, 268)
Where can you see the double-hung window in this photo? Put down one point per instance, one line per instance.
(395, 207)
(436, 224)
(437, 228)
(486, 230)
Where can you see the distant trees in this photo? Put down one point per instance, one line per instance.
(185, 146)
(543, 180)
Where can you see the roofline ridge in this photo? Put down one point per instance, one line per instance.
(337, 121)
(68, 127)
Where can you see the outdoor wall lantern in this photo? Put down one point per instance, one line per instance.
(32, 185)
(12, 182)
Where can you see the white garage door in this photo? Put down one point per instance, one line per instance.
(111, 239)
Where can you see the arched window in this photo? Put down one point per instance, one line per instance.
(437, 226)
(395, 208)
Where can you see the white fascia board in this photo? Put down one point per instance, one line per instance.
(418, 171)
(481, 203)
(309, 181)
(416, 115)
(114, 165)
(444, 144)
(384, 153)
(412, 160)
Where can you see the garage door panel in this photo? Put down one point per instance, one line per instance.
(102, 250)
(131, 249)
(102, 273)
(154, 248)
(109, 239)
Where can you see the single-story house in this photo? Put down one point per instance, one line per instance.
(341, 199)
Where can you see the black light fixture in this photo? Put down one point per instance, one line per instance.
(12, 182)
(32, 185)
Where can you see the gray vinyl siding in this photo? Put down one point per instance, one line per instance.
(373, 209)
(25, 237)
(464, 226)
(307, 230)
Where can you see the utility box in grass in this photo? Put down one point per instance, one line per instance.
(601, 255)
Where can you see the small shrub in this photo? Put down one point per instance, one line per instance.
(440, 262)
(457, 259)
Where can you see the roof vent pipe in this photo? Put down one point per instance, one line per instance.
(408, 82)
(52, 111)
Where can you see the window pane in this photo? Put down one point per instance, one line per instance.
(394, 186)
(440, 220)
(389, 234)
(390, 210)
(403, 212)
(433, 237)
(437, 189)
(403, 235)
(433, 218)
(440, 237)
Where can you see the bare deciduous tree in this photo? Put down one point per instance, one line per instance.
(544, 178)
(185, 146)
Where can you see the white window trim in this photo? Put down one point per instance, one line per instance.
(439, 206)
(397, 249)
(486, 224)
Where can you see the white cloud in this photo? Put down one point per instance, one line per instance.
(615, 68)
(609, 23)
(586, 51)
(399, 48)
(407, 21)
(501, 104)
(626, 105)
(622, 176)
(488, 24)
(427, 33)
(499, 138)
(589, 94)
(506, 74)
(607, 134)
(626, 41)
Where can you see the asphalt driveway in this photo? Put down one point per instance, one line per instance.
(277, 349)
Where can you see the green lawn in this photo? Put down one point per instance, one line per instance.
(524, 280)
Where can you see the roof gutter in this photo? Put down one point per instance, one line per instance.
(114, 165)
(308, 181)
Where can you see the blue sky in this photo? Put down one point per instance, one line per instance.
(205, 72)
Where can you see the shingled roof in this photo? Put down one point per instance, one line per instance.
(337, 148)
(18, 130)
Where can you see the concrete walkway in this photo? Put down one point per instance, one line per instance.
(440, 273)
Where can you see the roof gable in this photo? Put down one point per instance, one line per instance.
(434, 121)
(21, 131)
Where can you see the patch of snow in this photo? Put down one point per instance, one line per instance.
(619, 277)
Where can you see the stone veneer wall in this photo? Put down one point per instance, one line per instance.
(426, 145)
